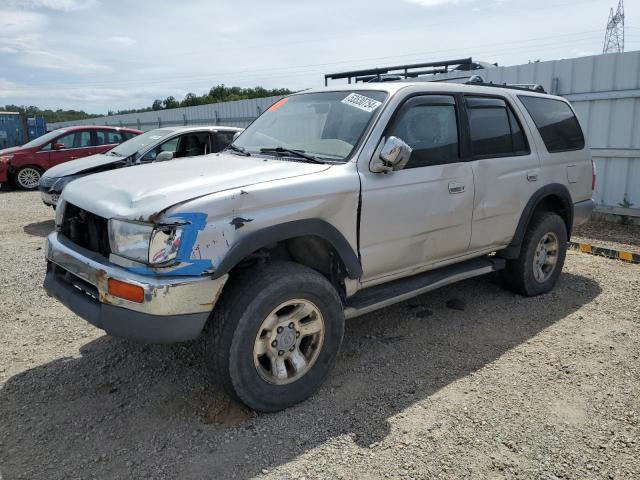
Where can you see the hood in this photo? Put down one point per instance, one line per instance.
(7, 151)
(145, 190)
(80, 165)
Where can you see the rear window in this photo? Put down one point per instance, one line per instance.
(556, 122)
(494, 129)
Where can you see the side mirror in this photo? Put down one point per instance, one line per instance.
(59, 146)
(394, 156)
(164, 156)
(236, 135)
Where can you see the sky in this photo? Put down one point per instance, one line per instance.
(100, 55)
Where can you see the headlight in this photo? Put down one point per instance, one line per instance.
(143, 242)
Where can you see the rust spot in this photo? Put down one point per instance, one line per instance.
(239, 222)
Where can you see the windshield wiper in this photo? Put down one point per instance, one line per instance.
(237, 149)
(290, 151)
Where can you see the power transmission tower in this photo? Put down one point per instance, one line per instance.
(614, 37)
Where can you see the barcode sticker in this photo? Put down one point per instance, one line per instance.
(360, 101)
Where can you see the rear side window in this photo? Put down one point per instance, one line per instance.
(556, 122)
(495, 130)
(108, 137)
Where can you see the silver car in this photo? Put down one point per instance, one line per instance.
(334, 203)
(156, 145)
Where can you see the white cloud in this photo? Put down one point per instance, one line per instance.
(63, 5)
(435, 3)
(39, 58)
(122, 40)
(13, 22)
(12, 90)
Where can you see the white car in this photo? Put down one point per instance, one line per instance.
(156, 145)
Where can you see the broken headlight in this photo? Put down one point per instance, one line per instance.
(143, 242)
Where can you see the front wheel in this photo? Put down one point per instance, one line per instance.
(542, 255)
(275, 334)
(27, 178)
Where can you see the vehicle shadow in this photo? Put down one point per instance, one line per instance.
(125, 410)
(40, 229)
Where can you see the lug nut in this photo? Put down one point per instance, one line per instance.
(297, 334)
(280, 352)
(292, 348)
(280, 329)
(291, 325)
(274, 343)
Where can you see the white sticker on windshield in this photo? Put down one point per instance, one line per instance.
(155, 137)
(360, 101)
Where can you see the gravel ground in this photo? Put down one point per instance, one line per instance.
(491, 386)
(609, 235)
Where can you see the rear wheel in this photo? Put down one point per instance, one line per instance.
(542, 255)
(275, 335)
(27, 178)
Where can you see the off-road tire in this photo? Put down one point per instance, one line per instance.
(230, 333)
(518, 275)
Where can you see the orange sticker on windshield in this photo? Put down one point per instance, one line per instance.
(278, 104)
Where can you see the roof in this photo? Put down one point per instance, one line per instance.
(394, 87)
(98, 127)
(2, 112)
(200, 128)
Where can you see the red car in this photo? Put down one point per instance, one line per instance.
(24, 165)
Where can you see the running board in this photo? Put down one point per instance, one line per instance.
(380, 296)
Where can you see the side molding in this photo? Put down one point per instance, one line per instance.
(552, 190)
(284, 231)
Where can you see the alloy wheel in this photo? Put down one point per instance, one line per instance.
(288, 342)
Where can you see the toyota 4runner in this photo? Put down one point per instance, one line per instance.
(332, 204)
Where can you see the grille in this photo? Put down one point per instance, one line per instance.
(86, 229)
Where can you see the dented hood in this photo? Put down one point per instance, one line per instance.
(80, 165)
(146, 190)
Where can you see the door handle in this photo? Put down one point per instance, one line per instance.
(532, 176)
(456, 187)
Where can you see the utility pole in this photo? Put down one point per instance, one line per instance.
(614, 37)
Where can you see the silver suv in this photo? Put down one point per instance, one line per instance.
(332, 204)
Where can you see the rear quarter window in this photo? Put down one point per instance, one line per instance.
(556, 122)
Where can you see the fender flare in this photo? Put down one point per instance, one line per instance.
(552, 190)
(284, 231)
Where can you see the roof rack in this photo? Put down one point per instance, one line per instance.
(399, 72)
(479, 81)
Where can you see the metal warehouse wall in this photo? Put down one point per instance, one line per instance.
(605, 91)
(234, 114)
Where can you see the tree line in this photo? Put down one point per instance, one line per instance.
(217, 94)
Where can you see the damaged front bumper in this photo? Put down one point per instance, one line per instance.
(174, 309)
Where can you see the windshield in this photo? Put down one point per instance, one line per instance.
(128, 148)
(46, 138)
(325, 125)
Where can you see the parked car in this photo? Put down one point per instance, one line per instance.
(156, 145)
(24, 165)
(332, 204)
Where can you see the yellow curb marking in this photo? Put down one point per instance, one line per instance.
(585, 248)
(626, 256)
